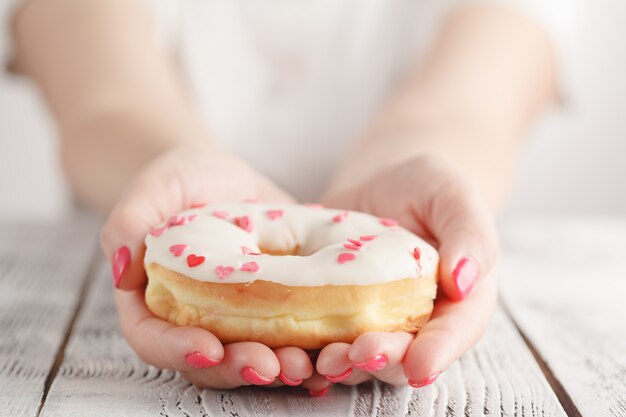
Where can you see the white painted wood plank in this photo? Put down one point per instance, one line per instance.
(565, 284)
(101, 376)
(42, 268)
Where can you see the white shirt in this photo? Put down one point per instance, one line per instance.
(290, 85)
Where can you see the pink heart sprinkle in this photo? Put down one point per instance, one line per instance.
(368, 237)
(158, 231)
(223, 271)
(220, 214)
(340, 217)
(191, 217)
(275, 214)
(355, 242)
(417, 253)
(245, 222)
(313, 205)
(194, 260)
(388, 222)
(175, 220)
(178, 250)
(346, 257)
(351, 246)
(247, 251)
(249, 267)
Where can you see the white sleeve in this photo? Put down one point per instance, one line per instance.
(7, 10)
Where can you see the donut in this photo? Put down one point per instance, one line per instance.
(288, 275)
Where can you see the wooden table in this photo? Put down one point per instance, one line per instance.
(556, 346)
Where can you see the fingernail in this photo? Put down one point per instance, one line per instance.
(121, 260)
(425, 382)
(198, 360)
(341, 377)
(288, 381)
(250, 376)
(465, 275)
(319, 393)
(377, 363)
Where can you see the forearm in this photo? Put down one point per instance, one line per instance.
(114, 93)
(489, 72)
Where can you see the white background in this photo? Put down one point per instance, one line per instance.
(572, 163)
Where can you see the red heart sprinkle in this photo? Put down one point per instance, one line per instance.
(388, 222)
(178, 250)
(223, 271)
(340, 217)
(346, 257)
(249, 267)
(245, 222)
(355, 242)
(194, 260)
(417, 253)
(368, 237)
(158, 231)
(220, 214)
(351, 246)
(275, 214)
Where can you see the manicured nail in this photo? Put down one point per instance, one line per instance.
(341, 377)
(465, 275)
(288, 381)
(250, 376)
(120, 263)
(319, 393)
(425, 382)
(198, 360)
(377, 363)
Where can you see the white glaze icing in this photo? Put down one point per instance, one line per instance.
(388, 257)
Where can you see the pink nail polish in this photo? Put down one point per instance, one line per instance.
(340, 377)
(200, 361)
(319, 393)
(465, 275)
(120, 263)
(292, 383)
(377, 363)
(251, 377)
(427, 381)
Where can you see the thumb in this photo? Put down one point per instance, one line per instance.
(144, 205)
(468, 244)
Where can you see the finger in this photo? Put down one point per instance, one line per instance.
(317, 385)
(381, 354)
(244, 363)
(463, 226)
(453, 329)
(334, 363)
(295, 365)
(162, 344)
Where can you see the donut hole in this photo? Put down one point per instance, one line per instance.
(293, 251)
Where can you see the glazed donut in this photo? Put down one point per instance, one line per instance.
(288, 275)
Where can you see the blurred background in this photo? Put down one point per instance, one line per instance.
(572, 162)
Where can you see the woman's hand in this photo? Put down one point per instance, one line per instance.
(429, 197)
(173, 182)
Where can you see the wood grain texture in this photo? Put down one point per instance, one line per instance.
(101, 376)
(565, 285)
(42, 269)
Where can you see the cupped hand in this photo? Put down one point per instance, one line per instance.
(428, 196)
(177, 180)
